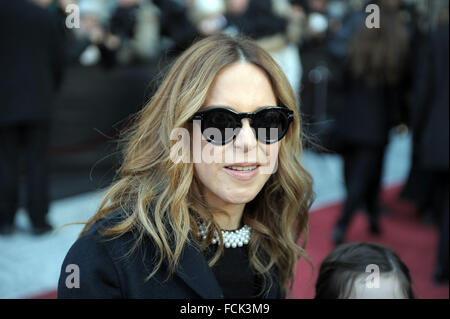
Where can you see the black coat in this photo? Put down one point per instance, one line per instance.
(433, 115)
(31, 61)
(107, 272)
(367, 115)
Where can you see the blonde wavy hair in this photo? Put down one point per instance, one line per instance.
(161, 199)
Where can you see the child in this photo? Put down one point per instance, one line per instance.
(363, 271)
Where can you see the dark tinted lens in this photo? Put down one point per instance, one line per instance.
(266, 120)
(222, 121)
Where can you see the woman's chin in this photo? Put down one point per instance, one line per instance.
(237, 199)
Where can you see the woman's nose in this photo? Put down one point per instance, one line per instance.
(246, 139)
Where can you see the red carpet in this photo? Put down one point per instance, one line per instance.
(414, 242)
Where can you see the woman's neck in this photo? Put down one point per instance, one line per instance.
(233, 218)
(234, 212)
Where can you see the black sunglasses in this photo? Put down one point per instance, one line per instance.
(220, 125)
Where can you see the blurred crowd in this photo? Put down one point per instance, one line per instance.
(354, 84)
(310, 39)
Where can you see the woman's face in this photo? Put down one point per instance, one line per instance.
(243, 87)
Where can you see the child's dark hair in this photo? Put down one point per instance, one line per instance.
(345, 263)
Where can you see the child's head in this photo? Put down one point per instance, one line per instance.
(363, 271)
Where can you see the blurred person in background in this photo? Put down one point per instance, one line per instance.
(93, 43)
(376, 65)
(276, 27)
(344, 22)
(114, 33)
(430, 126)
(317, 19)
(315, 67)
(136, 25)
(32, 65)
(208, 16)
(418, 188)
(175, 24)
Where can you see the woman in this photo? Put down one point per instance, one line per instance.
(375, 72)
(165, 228)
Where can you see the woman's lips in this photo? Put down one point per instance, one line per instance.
(240, 174)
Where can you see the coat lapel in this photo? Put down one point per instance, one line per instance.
(196, 273)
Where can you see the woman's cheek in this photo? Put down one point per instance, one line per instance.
(270, 161)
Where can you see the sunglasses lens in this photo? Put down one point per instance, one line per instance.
(270, 122)
(218, 126)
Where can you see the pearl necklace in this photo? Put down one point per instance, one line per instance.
(231, 238)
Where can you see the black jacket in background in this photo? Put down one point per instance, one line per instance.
(107, 272)
(432, 116)
(31, 62)
(367, 115)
